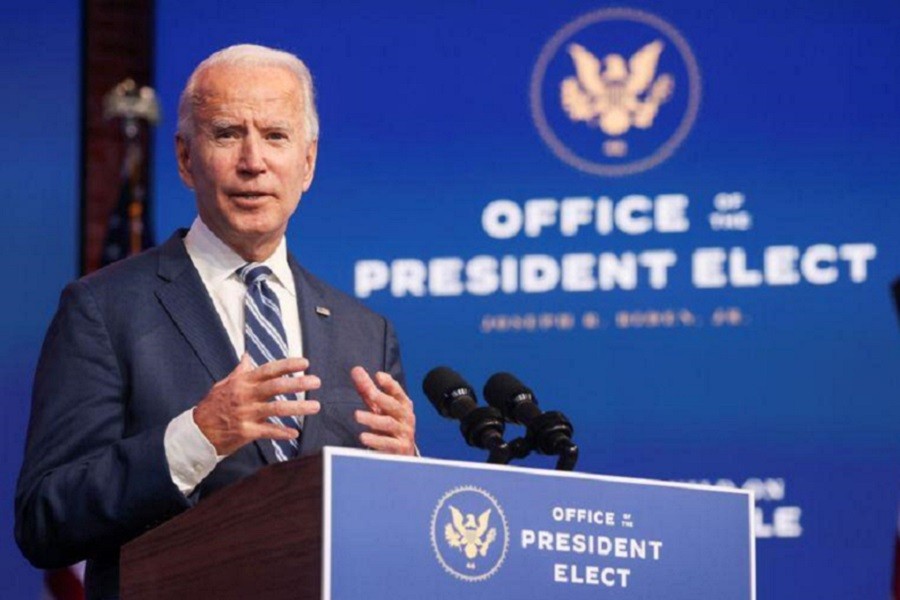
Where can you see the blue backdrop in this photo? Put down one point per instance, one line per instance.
(431, 114)
(678, 357)
(39, 167)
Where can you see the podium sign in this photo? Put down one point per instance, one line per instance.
(420, 528)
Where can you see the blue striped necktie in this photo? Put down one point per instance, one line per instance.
(265, 340)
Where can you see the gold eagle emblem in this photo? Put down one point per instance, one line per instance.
(470, 536)
(613, 94)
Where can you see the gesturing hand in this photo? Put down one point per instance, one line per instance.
(235, 412)
(392, 422)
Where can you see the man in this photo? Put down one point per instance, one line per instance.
(141, 405)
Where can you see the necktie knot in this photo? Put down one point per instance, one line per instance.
(253, 273)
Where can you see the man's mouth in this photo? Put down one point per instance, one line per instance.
(249, 195)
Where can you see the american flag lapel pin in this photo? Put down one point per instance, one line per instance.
(323, 311)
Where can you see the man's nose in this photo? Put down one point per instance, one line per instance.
(252, 161)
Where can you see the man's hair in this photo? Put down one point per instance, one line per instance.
(250, 55)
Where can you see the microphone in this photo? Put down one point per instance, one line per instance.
(547, 432)
(481, 427)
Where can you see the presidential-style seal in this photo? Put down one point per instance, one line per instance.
(469, 533)
(615, 92)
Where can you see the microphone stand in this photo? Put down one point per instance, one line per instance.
(549, 433)
(568, 456)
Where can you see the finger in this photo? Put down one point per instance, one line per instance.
(245, 365)
(366, 388)
(383, 424)
(270, 431)
(387, 444)
(392, 387)
(279, 368)
(378, 401)
(286, 385)
(287, 408)
(389, 405)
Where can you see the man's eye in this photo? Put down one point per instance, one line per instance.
(277, 136)
(226, 134)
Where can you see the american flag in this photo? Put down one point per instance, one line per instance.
(129, 229)
(64, 584)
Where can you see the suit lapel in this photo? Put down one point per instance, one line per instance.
(316, 332)
(188, 304)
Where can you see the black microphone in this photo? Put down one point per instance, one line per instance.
(547, 432)
(482, 427)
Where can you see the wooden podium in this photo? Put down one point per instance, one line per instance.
(260, 538)
(349, 524)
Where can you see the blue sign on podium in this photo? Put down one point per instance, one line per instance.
(421, 528)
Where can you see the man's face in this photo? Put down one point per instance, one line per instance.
(247, 159)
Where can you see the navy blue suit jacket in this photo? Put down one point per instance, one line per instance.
(131, 347)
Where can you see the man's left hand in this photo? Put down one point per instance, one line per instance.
(390, 418)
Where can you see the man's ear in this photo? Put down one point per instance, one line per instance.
(183, 154)
(312, 151)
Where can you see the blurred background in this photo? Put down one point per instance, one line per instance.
(686, 246)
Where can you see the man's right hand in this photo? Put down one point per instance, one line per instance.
(236, 410)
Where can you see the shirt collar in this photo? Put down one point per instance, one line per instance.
(216, 261)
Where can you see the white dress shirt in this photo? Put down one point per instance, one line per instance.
(190, 455)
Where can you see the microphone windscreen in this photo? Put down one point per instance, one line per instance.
(439, 380)
(450, 394)
(502, 388)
